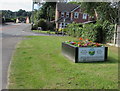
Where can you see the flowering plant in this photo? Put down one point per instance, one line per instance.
(83, 43)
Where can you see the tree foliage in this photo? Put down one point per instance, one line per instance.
(98, 32)
(47, 12)
(104, 10)
(11, 14)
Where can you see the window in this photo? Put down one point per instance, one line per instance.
(63, 25)
(76, 15)
(60, 25)
(62, 14)
(67, 14)
(84, 16)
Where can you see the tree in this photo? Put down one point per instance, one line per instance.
(47, 11)
(103, 10)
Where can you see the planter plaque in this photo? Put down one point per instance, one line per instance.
(84, 54)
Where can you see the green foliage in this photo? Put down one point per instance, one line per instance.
(95, 32)
(35, 27)
(108, 31)
(105, 10)
(9, 20)
(47, 11)
(10, 16)
(45, 25)
(42, 23)
(89, 32)
(72, 2)
(73, 29)
(51, 26)
(89, 7)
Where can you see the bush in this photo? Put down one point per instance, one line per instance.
(9, 20)
(51, 26)
(73, 28)
(108, 31)
(100, 33)
(34, 27)
(42, 23)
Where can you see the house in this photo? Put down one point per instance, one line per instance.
(67, 13)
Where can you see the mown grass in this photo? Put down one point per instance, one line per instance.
(38, 63)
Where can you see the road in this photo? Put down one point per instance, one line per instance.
(10, 35)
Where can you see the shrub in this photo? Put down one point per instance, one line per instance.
(42, 23)
(51, 26)
(34, 27)
(73, 28)
(108, 31)
(9, 20)
(98, 32)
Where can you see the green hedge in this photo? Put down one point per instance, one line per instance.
(45, 25)
(95, 32)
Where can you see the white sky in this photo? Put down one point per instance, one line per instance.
(15, 5)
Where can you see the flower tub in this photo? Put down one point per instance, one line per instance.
(84, 51)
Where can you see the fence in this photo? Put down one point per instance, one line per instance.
(117, 38)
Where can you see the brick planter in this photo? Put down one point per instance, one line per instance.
(84, 54)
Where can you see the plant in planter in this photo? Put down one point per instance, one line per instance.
(84, 43)
(84, 50)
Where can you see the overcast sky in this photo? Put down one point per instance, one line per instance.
(15, 5)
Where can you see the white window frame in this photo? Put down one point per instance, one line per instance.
(76, 14)
(85, 16)
(62, 14)
(67, 14)
(63, 24)
(60, 25)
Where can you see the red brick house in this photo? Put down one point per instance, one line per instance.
(67, 13)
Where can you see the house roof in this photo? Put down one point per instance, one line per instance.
(68, 20)
(66, 7)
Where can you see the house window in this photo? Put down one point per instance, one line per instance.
(60, 25)
(84, 16)
(67, 14)
(62, 14)
(63, 25)
(76, 15)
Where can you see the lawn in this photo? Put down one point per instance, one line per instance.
(39, 64)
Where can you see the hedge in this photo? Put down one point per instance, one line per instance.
(101, 33)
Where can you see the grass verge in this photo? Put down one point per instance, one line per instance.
(39, 64)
